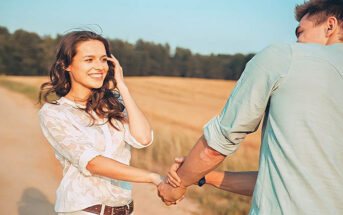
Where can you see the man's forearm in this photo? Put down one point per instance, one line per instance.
(236, 182)
(201, 160)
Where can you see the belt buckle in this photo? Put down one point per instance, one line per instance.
(128, 209)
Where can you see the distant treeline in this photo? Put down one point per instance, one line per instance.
(27, 53)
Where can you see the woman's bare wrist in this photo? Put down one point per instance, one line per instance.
(121, 85)
(155, 178)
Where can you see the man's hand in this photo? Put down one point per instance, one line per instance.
(169, 194)
(201, 160)
(164, 189)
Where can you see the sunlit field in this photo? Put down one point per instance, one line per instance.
(178, 108)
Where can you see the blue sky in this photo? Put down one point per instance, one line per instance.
(219, 27)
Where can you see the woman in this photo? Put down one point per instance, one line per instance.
(89, 129)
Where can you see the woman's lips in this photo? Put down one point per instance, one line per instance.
(97, 76)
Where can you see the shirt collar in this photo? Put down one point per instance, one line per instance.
(72, 103)
(63, 100)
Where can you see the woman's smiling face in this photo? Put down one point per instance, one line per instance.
(89, 66)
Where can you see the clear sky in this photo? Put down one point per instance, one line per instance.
(217, 26)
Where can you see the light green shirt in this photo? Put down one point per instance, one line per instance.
(298, 89)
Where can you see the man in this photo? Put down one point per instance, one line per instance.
(297, 88)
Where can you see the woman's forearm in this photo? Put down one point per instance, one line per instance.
(139, 125)
(236, 182)
(113, 169)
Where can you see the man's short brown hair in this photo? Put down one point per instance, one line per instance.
(320, 10)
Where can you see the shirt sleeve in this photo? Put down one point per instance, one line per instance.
(249, 99)
(67, 139)
(129, 139)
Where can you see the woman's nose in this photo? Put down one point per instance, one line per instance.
(98, 64)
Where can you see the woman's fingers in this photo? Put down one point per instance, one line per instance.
(172, 181)
(169, 203)
(113, 60)
(118, 70)
(173, 203)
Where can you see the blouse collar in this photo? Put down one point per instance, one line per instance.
(76, 105)
(72, 103)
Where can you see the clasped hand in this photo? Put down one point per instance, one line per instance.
(171, 190)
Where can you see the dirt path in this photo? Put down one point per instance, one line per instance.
(29, 173)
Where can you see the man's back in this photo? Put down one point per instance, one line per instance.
(301, 160)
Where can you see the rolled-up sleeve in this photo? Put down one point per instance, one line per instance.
(249, 99)
(67, 140)
(129, 139)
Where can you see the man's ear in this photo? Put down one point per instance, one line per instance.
(331, 26)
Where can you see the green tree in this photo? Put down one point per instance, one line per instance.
(4, 37)
(26, 53)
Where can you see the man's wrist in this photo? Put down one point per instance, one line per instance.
(209, 177)
(202, 181)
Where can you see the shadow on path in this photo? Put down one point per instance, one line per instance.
(34, 202)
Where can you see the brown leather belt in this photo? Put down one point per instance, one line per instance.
(122, 210)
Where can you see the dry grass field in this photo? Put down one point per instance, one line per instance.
(178, 108)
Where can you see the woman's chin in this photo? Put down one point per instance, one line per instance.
(97, 85)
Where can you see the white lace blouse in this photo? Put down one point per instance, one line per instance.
(76, 143)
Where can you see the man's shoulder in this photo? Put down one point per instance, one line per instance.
(278, 48)
(275, 52)
(281, 46)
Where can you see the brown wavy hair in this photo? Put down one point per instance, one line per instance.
(103, 101)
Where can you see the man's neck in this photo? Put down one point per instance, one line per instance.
(337, 38)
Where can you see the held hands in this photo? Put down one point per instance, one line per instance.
(171, 192)
(158, 180)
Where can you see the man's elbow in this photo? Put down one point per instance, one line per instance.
(210, 153)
